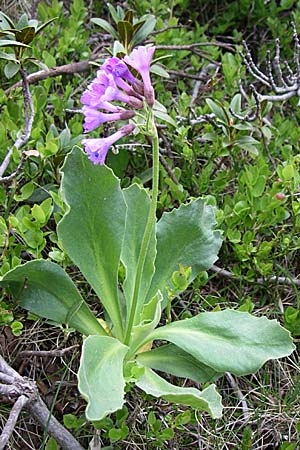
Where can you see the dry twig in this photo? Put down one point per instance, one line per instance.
(25, 394)
(274, 279)
(57, 353)
(241, 397)
(278, 76)
(195, 45)
(67, 69)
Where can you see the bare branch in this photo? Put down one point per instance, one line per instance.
(195, 45)
(290, 281)
(182, 73)
(63, 437)
(67, 69)
(168, 169)
(12, 420)
(15, 172)
(284, 84)
(296, 51)
(203, 75)
(46, 353)
(241, 397)
(277, 64)
(27, 396)
(252, 67)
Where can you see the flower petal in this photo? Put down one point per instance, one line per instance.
(97, 148)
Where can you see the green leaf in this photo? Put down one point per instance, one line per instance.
(23, 22)
(10, 69)
(43, 288)
(26, 35)
(37, 63)
(143, 32)
(8, 56)
(100, 376)
(119, 49)
(125, 32)
(159, 70)
(11, 43)
(159, 107)
(218, 111)
(38, 213)
(207, 400)
(44, 25)
(235, 104)
(116, 14)
(247, 140)
(229, 67)
(105, 26)
(51, 444)
(259, 187)
(164, 117)
(247, 143)
(185, 236)
(229, 341)
(138, 25)
(6, 33)
(288, 172)
(92, 230)
(33, 23)
(171, 359)
(129, 16)
(5, 22)
(138, 206)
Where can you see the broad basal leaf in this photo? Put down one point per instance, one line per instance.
(92, 231)
(100, 376)
(138, 205)
(229, 341)
(185, 236)
(44, 288)
(171, 359)
(207, 400)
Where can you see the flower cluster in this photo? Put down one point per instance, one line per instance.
(115, 82)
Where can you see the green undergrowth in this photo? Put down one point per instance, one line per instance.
(248, 170)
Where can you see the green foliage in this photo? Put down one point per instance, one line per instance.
(7, 318)
(51, 444)
(18, 36)
(128, 31)
(247, 173)
(158, 434)
(72, 422)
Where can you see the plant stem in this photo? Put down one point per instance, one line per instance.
(147, 233)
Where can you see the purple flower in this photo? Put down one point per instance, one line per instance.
(97, 148)
(115, 82)
(92, 97)
(118, 69)
(93, 118)
(140, 59)
(113, 93)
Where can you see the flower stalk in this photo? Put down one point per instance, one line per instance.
(147, 234)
